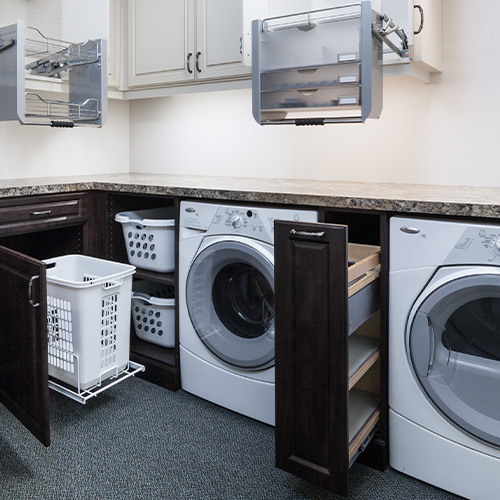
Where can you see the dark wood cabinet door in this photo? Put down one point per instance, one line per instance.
(24, 386)
(312, 442)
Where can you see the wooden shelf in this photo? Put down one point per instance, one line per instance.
(363, 417)
(153, 351)
(167, 278)
(363, 353)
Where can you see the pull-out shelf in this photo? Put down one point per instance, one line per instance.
(324, 64)
(328, 356)
(24, 51)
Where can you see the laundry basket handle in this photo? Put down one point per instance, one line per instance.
(107, 285)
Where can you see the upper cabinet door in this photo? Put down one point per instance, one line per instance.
(24, 380)
(219, 42)
(161, 42)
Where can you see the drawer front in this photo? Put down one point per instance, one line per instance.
(31, 214)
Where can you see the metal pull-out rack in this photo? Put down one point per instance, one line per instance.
(82, 66)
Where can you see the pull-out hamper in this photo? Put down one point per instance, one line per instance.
(150, 238)
(88, 316)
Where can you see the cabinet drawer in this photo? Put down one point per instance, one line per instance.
(40, 212)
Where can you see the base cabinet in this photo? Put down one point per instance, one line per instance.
(24, 378)
(328, 363)
(31, 229)
(161, 363)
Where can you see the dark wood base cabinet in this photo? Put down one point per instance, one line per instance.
(35, 228)
(330, 358)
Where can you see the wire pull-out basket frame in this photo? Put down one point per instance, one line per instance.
(25, 51)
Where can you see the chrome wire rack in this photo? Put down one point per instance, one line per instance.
(37, 107)
(49, 57)
(77, 71)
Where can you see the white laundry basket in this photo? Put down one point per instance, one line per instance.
(88, 319)
(153, 312)
(150, 238)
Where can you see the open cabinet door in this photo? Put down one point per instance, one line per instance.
(24, 381)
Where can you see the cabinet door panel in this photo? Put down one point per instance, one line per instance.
(24, 383)
(161, 35)
(219, 38)
(311, 352)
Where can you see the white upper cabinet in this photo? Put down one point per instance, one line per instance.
(219, 39)
(184, 41)
(161, 41)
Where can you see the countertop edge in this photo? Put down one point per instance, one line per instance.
(385, 198)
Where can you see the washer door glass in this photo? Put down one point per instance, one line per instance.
(454, 346)
(230, 299)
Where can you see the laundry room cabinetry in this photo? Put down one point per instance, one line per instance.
(161, 363)
(31, 229)
(330, 350)
(184, 41)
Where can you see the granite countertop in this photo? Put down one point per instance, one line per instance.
(403, 198)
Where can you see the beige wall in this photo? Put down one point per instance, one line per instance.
(443, 133)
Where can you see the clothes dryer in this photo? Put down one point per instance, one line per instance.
(444, 354)
(226, 304)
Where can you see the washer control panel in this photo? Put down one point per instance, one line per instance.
(254, 222)
(420, 243)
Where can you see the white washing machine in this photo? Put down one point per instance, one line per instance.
(226, 304)
(444, 354)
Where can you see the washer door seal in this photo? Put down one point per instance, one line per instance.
(230, 300)
(454, 348)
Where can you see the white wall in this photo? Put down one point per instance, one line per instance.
(35, 151)
(443, 133)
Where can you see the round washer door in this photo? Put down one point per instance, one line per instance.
(230, 300)
(454, 347)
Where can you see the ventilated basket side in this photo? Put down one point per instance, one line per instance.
(150, 238)
(153, 313)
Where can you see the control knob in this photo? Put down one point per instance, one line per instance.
(237, 222)
(495, 247)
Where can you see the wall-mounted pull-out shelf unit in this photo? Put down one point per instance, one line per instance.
(25, 51)
(317, 67)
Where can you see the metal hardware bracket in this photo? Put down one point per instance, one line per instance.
(6, 45)
(383, 27)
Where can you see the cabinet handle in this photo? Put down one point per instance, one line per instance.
(30, 289)
(416, 6)
(198, 54)
(241, 45)
(188, 60)
(41, 212)
(319, 234)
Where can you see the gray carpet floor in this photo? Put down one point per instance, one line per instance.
(139, 441)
